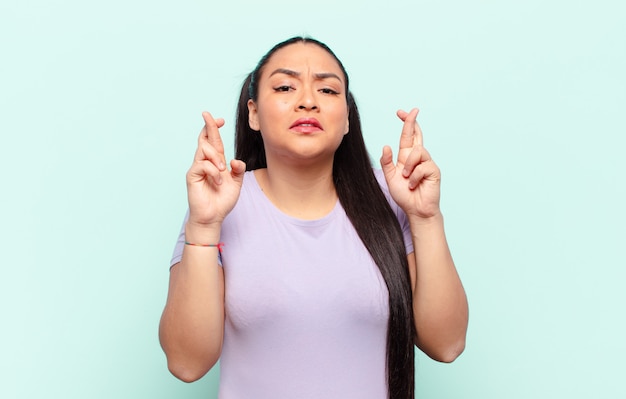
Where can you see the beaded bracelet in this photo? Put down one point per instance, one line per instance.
(219, 245)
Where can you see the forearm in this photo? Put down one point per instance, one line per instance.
(192, 325)
(439, 302)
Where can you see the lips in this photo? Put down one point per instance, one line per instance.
(306, 125)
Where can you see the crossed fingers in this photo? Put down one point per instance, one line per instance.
(414, 159)
(209, 157)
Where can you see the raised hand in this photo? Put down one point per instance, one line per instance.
(414, 181)
(212, 189)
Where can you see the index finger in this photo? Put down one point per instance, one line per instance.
(409, 128)
(419, 136)
(211, 131)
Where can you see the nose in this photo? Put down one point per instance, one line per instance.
(307, 101)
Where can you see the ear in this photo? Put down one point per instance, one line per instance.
(347, 126)
(253, 116)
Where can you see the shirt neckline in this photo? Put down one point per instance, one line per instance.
(282, 215)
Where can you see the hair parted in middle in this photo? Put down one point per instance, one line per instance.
(373, 219)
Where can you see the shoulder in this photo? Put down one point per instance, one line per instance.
(249, 184)
(400, 215)
(380, 178)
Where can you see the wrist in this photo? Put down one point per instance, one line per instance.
(202, 233)
(428, 221)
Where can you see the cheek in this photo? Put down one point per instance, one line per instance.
(273, 109)
(273, 115)
(343, 120)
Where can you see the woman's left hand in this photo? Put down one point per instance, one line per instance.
(414, 181)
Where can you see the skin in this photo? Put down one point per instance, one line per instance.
(300, 81)
(439, 301)
(304, 81)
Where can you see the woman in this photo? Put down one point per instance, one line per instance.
(330, 272)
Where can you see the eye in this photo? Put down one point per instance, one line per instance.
(327, 90)
(282, 88)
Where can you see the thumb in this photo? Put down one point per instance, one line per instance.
(237, 170)
(386, 163)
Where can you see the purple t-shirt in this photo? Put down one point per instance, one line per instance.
(306, 306)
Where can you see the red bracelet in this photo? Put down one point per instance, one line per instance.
(219, 245)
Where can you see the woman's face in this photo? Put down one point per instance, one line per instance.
(301, 109)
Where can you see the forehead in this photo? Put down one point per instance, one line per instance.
(303, 57)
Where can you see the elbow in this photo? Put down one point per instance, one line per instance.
(190, 363)
(442, 352)
(187, 372)
(450, 353)
(190, 368)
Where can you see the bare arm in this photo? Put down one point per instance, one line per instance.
(439, 302)
(192, 325)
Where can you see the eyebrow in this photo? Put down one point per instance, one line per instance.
(318, 76)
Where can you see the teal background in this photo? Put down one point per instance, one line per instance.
(522, 106)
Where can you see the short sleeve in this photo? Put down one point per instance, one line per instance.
(177, 255)
(402, 218)
(180, 243)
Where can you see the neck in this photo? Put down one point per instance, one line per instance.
(304, 193)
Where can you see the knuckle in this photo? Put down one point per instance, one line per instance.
(415, 177)
(207, 149)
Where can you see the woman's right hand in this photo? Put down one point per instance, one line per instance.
(212, 189)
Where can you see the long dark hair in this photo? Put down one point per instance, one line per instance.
(373, 219)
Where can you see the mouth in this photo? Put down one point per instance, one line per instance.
(306, 125)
